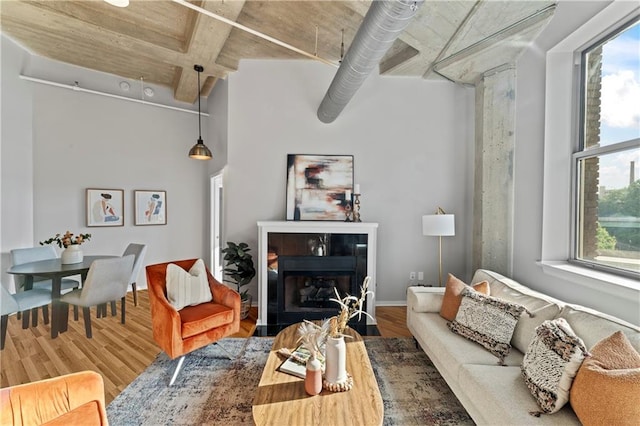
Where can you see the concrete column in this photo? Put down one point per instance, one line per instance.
(493, 193)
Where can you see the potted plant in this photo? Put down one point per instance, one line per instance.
(239, 270)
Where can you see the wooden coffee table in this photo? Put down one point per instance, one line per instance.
(281, 399)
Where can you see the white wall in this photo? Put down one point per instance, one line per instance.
(530, 91)
(81, 141)
(16, 186)
(412, 142)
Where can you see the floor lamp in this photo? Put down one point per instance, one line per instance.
(439, 225)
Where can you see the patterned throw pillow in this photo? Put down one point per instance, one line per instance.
(187, 288)
(453, 295)
(551, 362)
(488, 321)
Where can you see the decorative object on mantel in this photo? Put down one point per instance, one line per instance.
(199, 151)
(71, 253)
(348, 209)
(239, 271)
(317, 185)
(439, 225)
(105, 207)
(356, 203)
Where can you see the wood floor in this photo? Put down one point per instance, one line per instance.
(119, 352)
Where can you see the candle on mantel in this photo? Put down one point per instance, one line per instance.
(356, 188)
(347, 195)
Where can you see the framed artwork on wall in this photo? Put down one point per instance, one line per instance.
(318, 186)
(150, 207)
(105, 207)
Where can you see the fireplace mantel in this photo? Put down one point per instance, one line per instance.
(301, 227)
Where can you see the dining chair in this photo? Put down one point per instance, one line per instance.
(138, 250)
(22, 301)
(181, 331)
(35, 254)
(107, 280)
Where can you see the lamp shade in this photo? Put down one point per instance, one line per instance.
(200, 151)
(438, 225)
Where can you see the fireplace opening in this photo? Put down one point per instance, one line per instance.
(307, 283)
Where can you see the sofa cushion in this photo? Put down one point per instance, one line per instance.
(499, 396)
(551, 363)
(86, 414)
(593, 326)
(488, 321)
(512, 291)
(613, 371)
(187, 288)
(204, 317)
(527, 324)
(453, 296)
(448, 350)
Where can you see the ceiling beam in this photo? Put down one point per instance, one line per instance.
(206, 39)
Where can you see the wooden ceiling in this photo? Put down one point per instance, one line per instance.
(161, 41)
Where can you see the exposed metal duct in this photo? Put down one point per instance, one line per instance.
(382, 25)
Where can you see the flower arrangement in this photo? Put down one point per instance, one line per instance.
(350, 307)
(67, 239)
(313, 336)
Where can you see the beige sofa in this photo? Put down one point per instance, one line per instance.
(494, 394)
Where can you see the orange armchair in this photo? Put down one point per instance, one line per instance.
(72, 399)
(181, 332)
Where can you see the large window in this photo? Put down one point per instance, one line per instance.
(607, 164)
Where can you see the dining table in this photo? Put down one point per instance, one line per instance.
(55, 270)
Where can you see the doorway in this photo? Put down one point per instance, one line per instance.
(216, 226)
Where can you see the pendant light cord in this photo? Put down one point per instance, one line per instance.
(199, 126)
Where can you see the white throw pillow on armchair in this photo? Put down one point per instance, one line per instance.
(187, 288)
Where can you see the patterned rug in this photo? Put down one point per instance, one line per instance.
(212, 389)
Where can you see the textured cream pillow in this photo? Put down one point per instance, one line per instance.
(488, 321)
(453, 296)
(187, 288)
(551, 362)
(606, 390)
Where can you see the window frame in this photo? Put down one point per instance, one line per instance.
(561, 133)
(583, 152)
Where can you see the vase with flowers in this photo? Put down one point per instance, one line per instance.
(331, 336)
(336, 377)
(71, 243)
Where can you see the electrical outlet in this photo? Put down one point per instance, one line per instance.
(412, 276)
(420, 276)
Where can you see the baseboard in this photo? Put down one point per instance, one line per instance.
(391, 303)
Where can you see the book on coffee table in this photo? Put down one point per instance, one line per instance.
(296, 363)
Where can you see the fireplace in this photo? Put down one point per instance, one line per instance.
(301, 263)
(306, 284)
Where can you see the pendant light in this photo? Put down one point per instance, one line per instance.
(199, 151)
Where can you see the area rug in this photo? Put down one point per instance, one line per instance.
(214, 390)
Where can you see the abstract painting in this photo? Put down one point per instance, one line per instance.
(318, 185)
